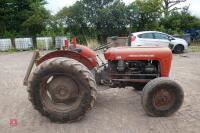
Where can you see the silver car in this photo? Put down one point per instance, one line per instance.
(155, 38)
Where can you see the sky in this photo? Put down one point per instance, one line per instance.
(55, 5)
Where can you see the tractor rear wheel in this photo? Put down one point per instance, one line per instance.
(62, 89)
(162, 97)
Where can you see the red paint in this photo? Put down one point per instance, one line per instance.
(86, 56)
(13, 122)
(88, 53)
(66, 44)
(161, 54)
(74, 42)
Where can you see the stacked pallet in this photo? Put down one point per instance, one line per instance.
(23, 43)
(5, 44)
(44, 43)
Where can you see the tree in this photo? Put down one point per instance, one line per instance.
(12, 14)
(147, 14)
(96, 19)
(53, 27)
(169, 5)
(22, 17)
(177, 22)
(35, 22)
(111, 20)
(74, 20)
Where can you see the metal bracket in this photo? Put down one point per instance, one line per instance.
(28, 72)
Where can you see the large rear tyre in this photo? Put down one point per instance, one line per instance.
(62, 89)
(162, 97)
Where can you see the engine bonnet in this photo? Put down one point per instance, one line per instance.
(138, 53)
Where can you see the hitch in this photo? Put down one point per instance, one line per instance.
(33, 59)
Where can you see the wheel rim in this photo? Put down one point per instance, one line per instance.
(163, 99)
(179, 49)
(60, 93)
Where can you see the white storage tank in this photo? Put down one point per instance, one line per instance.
(60, 42)
(44, 43)
(5, 44)
(23, 43)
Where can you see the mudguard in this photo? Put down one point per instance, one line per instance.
(84, 55)
(90, 63)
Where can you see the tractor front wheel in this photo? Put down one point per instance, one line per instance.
(162, 97)
(62, 89)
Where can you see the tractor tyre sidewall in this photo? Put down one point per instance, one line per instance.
(71, 67)
(151, 88)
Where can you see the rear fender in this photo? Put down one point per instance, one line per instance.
(69, 54)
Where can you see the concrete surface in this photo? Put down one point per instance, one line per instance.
(116, 110)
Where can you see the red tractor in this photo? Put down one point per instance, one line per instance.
(63, 86)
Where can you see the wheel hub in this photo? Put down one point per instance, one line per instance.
(163, 99)
(63, 90)
(62, 93)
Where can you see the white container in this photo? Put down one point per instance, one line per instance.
(60, 42)
(5, 44)
(23, 43)
(44, 43)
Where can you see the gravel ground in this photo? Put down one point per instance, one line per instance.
(116, 110)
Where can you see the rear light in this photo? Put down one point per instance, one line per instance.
(133, 38)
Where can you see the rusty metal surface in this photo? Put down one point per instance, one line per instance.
(133, 80)
(130, 74)
(163, 99)
(60, 93)
(33, 59)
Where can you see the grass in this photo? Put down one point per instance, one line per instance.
(92, 43)
(194, 47)
(10, 51)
